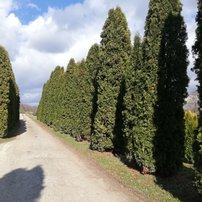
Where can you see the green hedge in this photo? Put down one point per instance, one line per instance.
(9, 95)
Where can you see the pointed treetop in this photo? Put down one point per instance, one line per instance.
(71, 65)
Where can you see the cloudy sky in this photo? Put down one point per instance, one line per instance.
(42, 34)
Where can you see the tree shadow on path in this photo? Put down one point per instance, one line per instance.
(18, 130)
(22, 185)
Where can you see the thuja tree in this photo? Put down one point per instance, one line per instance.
(9, 99)
(197, 49)
(191, 124)
(40, 108)
(88, 90)
(84, 103)
(47, 110)
(173, 80)
(75, 101)
(87, 96)
(133, 96)
(4, 92)
(145, 128)
(115, 57)
(93, 66)
(54, 87)
(146, 125)
(68, 92)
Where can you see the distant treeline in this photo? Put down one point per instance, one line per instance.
(129, 98)
(9, 95)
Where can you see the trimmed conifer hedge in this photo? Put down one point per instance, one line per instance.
(115, 58)
(9, 95)
(129, 101)
(197, 50)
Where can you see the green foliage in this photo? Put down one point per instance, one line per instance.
(198, 162)
(72, 91)
(84, 85)
(70, 104)
(93, 66)
(115, 53)
(9, 99)
(197, 50)
(172, 83)
(40, 108)
(4, 92)
(132, 99)
(77, 101)
(191, 124)
(54, 86)
(127, 101)
(143, 127)
(66, 114)
(47, 110)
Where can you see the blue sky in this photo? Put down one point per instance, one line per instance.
(28, 10)
(40, 35)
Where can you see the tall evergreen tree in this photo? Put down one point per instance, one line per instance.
(148, 82)
(173, 80)
(4, 83)
(53, 93)
(47, 110)
(89, 89)
(69, 101)
(197, 49)
(40, 108)
(132, 99)
(144, 127)
(85, 88)
(115, 58)
(93, 66)
(9, 99)
(75, 98)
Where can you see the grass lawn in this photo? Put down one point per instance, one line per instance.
(178, 188)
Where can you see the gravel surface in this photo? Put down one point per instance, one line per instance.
(38, 167)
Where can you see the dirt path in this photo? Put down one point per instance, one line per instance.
(38, 167)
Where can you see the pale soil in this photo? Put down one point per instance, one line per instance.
(38, 167)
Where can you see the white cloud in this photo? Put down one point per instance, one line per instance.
(33, 6)
(189, 13)
(45, 35)
(10, 29)
(60, 34)
(5, 7)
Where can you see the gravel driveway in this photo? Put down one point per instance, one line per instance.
(38, 167)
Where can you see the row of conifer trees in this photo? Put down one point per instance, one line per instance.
(9, 95)
(127, 99)
(197, 50)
